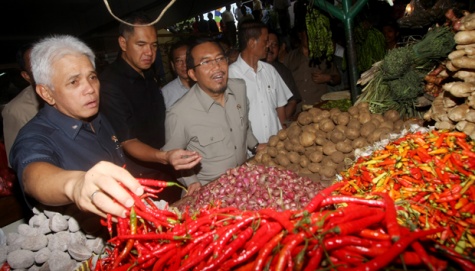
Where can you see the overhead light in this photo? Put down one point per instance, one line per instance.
(3, 73)
(409, 9)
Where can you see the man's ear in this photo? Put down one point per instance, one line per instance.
(191, 74)
(45, 94)
(26, 76)
(123, 43)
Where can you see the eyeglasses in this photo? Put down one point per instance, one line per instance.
(211, 62)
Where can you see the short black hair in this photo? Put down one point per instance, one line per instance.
(20, 55)
(190, 62)
(136, 18)
(177, 44)
(249, 29)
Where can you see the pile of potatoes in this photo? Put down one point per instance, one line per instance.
(321, 143)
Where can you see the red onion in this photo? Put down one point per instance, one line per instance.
(254, 187)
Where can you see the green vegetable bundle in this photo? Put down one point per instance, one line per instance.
(320, 44)
(398, 80)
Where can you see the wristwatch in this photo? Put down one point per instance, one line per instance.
(254, 149)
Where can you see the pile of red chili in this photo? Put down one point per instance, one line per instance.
(331, 232)
(431, 177)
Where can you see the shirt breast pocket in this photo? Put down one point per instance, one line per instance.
(211, 138)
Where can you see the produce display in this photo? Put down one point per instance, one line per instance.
(321, 143)
(255, 187)
(363, 235)
(431, 177)
(370, 46)
(320, 43)
(454, 107)
(396, 82)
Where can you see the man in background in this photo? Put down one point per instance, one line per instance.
(25, 105)
(176, 88)
(266, 91)
(284, 72)
(133, 103)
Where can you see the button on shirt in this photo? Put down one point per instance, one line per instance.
(173, 91)
(220, 134)
(265, 91)
(65, 142)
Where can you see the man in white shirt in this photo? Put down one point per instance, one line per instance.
(266, 91)
(176, 88)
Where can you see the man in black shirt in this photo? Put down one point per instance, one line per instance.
(133, 103)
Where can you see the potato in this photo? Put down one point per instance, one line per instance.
(294, 157)
(378, 117)
(327, 173)
(343, 118)
(363, 107)
(315, 157)
(344, 146)
(364, 117)
(266, 158)
(282, 134)
(359, 143)
(304, 118)
(376, 135)
(298, 148)
(282, 160)
(293, 131)
(352, 133)
(305, 172)
(392, 115)
(295, 140)
(307, 139)
(314, 167)
(337, 157)
(288, 145)
(336, 136)
(387, 124)
(272, 151)
(309, 129)
(329, 148)
(258, 156)
(327, 125)
(280, 145)
(367, 129)
(353, 110)
(294, 168)
(325, 114)
(273, 140)
(354, 124)
(304, 161)
(321, 140)
(314, 111)
(341, 128)
(398, 125)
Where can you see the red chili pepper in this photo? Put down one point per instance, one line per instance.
(419, 249)
(341, 241)
(266, 250)
(351, 213)
(317, 200)
(464, 263)
(358, 224)
(415, 172)
(163, 259)
(410, 258)
(381, 261)
(130, 243)
(351, 199)
(257, 242)
(230, 249)
(373, 234)
(230, 231)
(282, 217)
(372, 252)
(391, 217)
(315, 259)
(348, 256)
